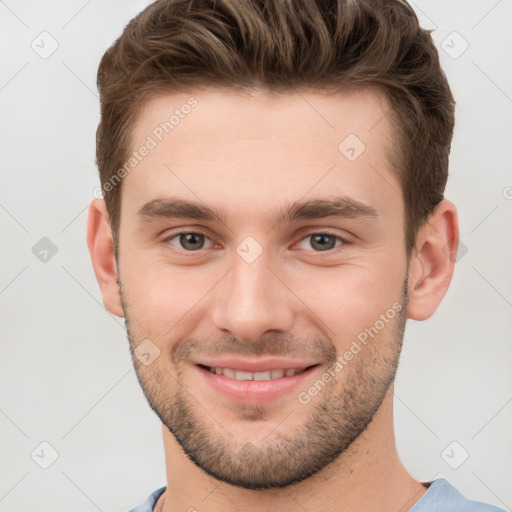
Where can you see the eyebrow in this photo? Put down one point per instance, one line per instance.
(343, 207)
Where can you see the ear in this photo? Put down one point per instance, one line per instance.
(433, 261)
(101, 249)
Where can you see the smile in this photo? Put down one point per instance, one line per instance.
(278, 373)
(254, 387)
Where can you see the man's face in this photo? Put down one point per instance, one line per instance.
(264, 288)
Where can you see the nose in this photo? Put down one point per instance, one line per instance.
(251, 300)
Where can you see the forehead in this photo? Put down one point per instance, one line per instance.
(215, 115)
(275, 147)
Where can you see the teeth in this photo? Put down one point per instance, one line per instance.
(228, 372)
(241, 375)
(261, 376)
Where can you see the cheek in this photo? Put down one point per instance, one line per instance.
(351, 298)
(163, 298)
(169, 302)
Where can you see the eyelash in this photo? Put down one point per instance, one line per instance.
(326, 233)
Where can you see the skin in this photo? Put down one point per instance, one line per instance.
(249, 155)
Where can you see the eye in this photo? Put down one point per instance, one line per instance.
(189, 240)
(192, 241)
(322, 242)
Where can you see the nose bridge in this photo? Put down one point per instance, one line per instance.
(252, 300)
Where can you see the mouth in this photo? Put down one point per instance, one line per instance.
(276, 373)
(253, 387)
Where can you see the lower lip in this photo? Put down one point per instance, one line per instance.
(254, 391)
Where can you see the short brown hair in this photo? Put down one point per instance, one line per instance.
(279, 45)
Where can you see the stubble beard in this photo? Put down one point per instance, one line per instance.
(338, 415)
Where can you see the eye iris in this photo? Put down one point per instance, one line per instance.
(331, 241)
(191, 238)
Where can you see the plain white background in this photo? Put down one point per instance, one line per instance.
(66, 377)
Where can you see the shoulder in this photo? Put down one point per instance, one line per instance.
(441, 496)
(148, 504)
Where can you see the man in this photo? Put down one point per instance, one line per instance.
(303, 147)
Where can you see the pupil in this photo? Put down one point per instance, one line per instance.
(190, 239)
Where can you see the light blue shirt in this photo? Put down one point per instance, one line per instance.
(441, 496)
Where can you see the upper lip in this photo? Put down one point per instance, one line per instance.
(252, 365)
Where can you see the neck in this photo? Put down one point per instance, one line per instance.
(368, 475)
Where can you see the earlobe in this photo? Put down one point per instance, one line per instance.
(101, 249)
(432, 261)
